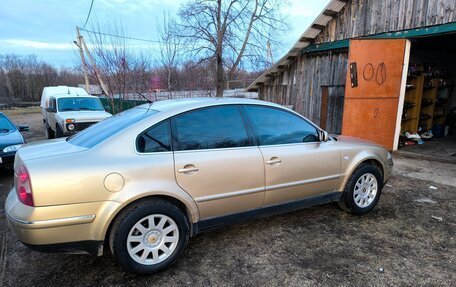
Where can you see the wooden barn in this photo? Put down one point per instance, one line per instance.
(374, 69)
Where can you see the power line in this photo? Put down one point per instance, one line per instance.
(120, 36)
(88, 15)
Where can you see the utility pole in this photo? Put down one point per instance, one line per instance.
(269, 58)
(103, 86)
(81, 53)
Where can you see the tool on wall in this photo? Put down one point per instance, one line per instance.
(368, 72)
(380, 76)
(353, 75)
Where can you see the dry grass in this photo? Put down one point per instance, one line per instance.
(21, 111)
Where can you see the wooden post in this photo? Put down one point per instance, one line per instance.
(81, 53)
(324, 106)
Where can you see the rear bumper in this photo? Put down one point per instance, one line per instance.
(88, 247)
(72, 228)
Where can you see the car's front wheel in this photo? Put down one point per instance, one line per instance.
(58, 132)
(149, 236)
(362, 190)
(48, 132)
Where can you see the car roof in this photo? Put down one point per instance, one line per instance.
(71, 96)
(180, 105)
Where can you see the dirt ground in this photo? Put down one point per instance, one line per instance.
(407, 240)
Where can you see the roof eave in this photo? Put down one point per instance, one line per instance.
(329, 12)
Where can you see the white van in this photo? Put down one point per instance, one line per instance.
(67, 110)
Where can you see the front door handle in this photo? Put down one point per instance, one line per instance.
(274, 161)
(189, 168)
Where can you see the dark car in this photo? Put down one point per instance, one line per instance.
(10, 140)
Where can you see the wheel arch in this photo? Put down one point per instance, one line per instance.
(173, 200)
(370, 159)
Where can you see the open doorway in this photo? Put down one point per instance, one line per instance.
(428, 123)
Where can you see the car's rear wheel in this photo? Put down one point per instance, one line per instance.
(362, 190)
(48, 132)
(149, 236)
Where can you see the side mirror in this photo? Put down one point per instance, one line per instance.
(324, 136)
(23, 128)
(51, 110)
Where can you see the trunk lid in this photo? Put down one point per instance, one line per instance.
(47, 148)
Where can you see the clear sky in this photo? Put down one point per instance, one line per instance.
(46, 28)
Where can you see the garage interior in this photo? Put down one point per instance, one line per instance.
(429, 108)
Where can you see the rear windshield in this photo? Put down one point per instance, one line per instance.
(79, 104)
(6, 125)
(101, 131)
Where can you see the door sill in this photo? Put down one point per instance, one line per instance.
(224, 220)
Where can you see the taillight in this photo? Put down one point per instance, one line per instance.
(23, 186)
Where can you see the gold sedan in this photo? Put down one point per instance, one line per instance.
(146, 180)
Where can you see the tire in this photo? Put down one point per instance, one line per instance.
(48, 132)
(58, 132)
(128, 243)
(361, 197)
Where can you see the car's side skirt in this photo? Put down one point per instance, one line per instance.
(212, 223)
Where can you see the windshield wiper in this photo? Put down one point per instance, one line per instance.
(4, 130)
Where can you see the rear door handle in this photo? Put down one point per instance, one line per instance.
(274, 160)
(189, 168)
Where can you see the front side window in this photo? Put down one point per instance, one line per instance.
(155, 139)
(211, 128)
(274, 126)
(52, 103)
(79, 104)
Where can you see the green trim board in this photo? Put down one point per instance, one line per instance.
(404, 34)
(327, 46)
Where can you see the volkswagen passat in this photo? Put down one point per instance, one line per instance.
(146, 180)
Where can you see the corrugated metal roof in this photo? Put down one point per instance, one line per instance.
(311, 33)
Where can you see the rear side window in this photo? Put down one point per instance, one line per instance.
(274, 126)
(211, 128)
(155, 139)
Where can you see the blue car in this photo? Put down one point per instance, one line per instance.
(10, 140)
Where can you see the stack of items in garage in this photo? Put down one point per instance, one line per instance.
(425, 112)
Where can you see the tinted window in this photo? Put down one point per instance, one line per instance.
(156, 139)
(106, 128)
(216, 127)
(273, 126)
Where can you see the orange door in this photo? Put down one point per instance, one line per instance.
(374, 90)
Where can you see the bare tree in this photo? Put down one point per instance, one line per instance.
(22, 78)
(116, 63)
(227, 32)
(170, 50)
